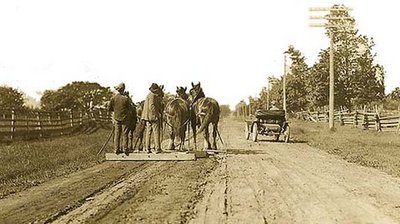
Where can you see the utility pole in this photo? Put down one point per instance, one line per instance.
(284, 81)
(329, 24)
(271, 80)
(268, 88)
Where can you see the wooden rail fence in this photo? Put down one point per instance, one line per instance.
(29, 124)
(361, 119)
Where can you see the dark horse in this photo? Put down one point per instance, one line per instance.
(177, 118)
(206, 111)
(131, 120)
(139, 131)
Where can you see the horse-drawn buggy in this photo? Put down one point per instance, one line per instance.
(268, 123)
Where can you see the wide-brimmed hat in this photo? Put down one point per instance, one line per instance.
(120, 87)
(154, 87)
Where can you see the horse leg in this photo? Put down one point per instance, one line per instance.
(171, 145)
(182, 136)
(207, 144)
(187, 127)
(194, 135)
(215, 129)
(130, 139)
(139, 136)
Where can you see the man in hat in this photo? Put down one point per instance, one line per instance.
(152, 114)
(273, 106)
(120, 105)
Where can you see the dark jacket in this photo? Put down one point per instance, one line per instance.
(120, 105)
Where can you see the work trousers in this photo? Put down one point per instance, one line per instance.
(121, 130)
(153, 127)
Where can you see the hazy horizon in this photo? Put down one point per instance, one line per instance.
(231, 47)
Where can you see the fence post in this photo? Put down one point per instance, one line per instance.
(50, 121)
(341, 118)
(365, 122)
(327, 116)
(27, 122)
(13, 120)
(377, 123)
(60, 123)
(398, 126)
(71, 117)
(39, 122)
(100, 115)
(355, 118)
(80, 117)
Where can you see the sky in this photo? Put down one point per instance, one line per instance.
(230, 46)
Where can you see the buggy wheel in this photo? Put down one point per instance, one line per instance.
(287, 134)
(254, 132)
(247, 132)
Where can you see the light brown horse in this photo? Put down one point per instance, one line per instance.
(206, 111)
(177, 118)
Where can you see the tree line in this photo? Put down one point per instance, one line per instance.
(359, 80)
(73, 96)
(79, 95)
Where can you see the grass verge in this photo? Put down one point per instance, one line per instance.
(369, 148)
(28, 163)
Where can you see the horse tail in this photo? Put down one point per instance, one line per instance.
(207, 119)
(205, 123)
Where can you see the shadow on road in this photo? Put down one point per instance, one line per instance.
(246, 151)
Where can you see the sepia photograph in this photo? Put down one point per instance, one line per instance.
(199, 112)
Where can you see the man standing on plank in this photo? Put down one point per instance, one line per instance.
(120, 105)
(152, 115)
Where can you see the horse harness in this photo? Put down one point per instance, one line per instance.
(168, 115)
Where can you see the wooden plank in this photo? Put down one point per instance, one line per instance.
(390, 122)
(390, 118)
(389, 125)
(150, 157)
(214, 151)
(201, 154)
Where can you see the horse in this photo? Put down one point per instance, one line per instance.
(139, 131)
(177, 118)
(205, 111)
(181, 92)
(131, 120)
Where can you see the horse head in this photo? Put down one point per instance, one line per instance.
(160, 91)
(196, 92)
(181, 92)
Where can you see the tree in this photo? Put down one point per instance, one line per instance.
(275, 94)
(76, 95)
(240, 108)
(225, 110)
(358, 80)
(318, 82)
(395, 94)
(392, 101)
(296, 81)
(11, 98)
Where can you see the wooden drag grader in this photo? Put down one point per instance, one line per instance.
(268, 123)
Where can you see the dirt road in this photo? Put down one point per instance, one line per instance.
(262, 182)
(268, 182)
